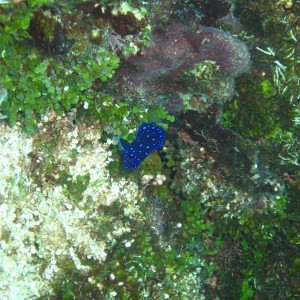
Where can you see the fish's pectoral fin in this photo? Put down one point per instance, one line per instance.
(124, 144)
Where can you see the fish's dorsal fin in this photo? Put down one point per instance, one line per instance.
(142, 127)
(124, 144)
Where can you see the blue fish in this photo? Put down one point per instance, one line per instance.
(149, 138)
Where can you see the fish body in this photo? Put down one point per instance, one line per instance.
(149, 138)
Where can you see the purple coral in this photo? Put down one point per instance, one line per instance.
(184, 64)
(178, 47)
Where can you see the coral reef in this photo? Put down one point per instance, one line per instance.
(214, 214)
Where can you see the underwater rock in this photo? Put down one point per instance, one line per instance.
(199, 11)
(231, 23)
(123, 18)
(214, 10)
(178, 47)
(47, 31)
(172, 104)
(238, 159)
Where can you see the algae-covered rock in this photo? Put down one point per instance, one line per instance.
(54, 187)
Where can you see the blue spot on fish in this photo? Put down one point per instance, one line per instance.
(149, 138)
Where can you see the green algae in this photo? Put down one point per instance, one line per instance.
(50, 83)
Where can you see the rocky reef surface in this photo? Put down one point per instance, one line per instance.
(55, 187)
(213, 214)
